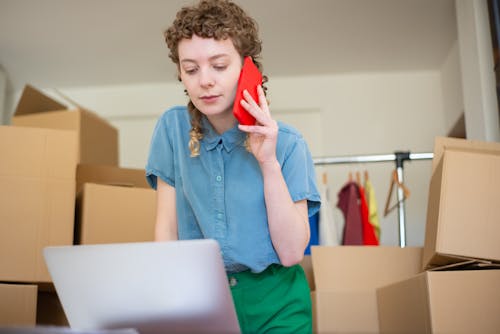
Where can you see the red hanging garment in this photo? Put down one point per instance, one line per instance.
(348, 202)
(369, 237)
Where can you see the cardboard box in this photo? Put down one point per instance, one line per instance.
(17, 304)
(37, 198)
(442, 302)
(306, 264)
(463, 209)
(445, 143)
(109, 214)
(346, 279)
(97, 138)
(110, 175)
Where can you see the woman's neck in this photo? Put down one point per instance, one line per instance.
(222, 123)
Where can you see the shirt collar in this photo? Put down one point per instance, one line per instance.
(229, 139)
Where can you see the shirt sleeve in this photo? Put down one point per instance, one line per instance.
(299, 174)
(161, 159)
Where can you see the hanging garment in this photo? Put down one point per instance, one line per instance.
(369, 237)
(372, 207)
(328, 230)
(348, 202)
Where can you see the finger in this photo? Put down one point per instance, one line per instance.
(255, 129)
(262, 99)
(254, 110)
(249, 99)
(261, 118)
(268, 131)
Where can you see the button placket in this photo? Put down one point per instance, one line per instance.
(220, 223)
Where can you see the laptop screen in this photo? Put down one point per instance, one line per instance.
(154, 287)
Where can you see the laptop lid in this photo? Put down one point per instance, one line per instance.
(154, 287)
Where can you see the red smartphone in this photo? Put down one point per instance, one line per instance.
(250, 78)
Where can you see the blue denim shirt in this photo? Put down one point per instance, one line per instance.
(219, 194)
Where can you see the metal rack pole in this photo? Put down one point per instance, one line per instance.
(399, 158)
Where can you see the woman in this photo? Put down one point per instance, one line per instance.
(251, 188)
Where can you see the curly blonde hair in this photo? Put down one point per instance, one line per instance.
(218, 19)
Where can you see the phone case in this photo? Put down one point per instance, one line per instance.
(250, 78)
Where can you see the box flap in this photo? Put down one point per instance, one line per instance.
(453, 266)
(403, 306)
(443, 143)
(111, 175)
(34, 101)
(350, 268)
(443, 262)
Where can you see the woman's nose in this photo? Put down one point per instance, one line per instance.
(206, 79)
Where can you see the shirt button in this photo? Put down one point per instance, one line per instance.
(220, 215)
(218, 178)
(233, 281)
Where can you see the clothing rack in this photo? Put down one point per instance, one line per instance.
(399, 158)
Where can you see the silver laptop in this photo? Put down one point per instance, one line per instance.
(154, 287)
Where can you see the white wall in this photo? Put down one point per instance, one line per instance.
(451, 84)
(352, 114)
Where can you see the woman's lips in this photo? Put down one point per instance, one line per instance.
(210, 98)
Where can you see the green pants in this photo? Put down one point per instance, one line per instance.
(277, 300)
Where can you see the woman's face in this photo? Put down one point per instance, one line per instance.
(209, 70)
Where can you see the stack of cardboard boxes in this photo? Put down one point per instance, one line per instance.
(413, 290)
(458, 290)
(53, 161)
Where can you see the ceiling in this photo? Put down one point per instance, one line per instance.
(67, 43)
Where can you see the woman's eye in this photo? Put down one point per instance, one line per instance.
(220, 67)
(190, 70)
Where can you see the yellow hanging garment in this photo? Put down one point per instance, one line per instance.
(372, 206)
